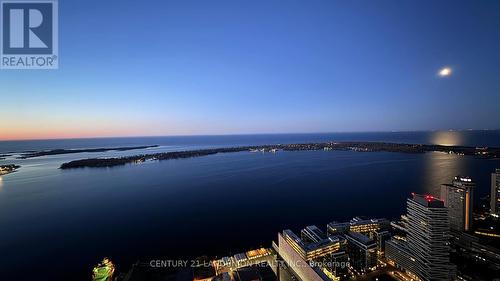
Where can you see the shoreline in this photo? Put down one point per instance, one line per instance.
(483, 152)
(34, 154)
(8, 169)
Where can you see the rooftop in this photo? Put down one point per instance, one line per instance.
(307, 247)
(427, 200)
(360, 237)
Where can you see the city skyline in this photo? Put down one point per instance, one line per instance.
(263, 67)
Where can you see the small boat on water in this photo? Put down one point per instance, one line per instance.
(103, 271)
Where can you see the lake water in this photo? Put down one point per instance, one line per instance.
(57, 224)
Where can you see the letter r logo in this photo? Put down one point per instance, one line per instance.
(35, 20)
(27, 28)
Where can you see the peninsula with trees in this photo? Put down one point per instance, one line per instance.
(483, 152)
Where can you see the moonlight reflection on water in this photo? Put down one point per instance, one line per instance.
(447, 138)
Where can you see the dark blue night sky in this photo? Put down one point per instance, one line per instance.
(229, 67)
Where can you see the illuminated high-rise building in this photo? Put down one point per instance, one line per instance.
(458, 197)
(495, 193)
(428, 237)
(362, 252)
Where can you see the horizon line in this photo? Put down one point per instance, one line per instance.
(243, 134)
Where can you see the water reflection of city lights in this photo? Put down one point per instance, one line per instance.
(1, 182)
(447, 138)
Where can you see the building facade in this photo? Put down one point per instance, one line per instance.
(314, 256)
(357, 224)
(296, 263)
(495, 193)
(362, 252)
(458, 197)
(381, 237)
(398, 254)
(428, 237)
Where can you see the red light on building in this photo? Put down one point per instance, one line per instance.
(429, 198)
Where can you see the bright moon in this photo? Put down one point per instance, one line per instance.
(444, 72)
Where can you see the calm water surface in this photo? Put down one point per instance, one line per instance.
(57, 224)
